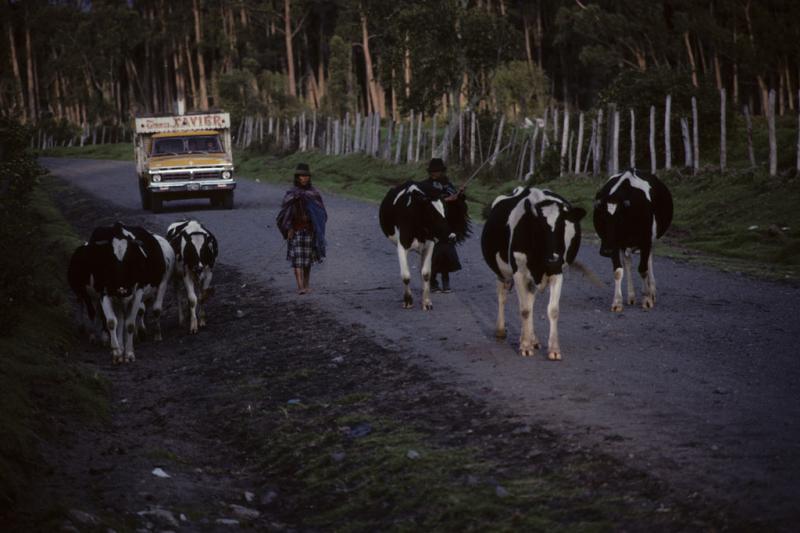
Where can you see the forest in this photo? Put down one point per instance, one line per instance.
(78, 63)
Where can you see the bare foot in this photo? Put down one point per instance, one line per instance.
(301, 291)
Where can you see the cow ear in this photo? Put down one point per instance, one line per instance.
(575, 214)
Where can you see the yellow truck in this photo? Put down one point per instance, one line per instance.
(184, 156)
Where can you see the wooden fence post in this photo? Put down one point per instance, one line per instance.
(473, 125)
(667, 136)
(499, 140)
(723, 148)
(652, 139)
(532, 162)
(687, 143)
(580, 144)
(632, 159)
(419, 137)
(695, 138)
(433, 136)
(564, 142)
(597, 162)
(545, 141)
(399, 142)
(410, 148)
(615, 144)
(749, 125)
(798, 132)
(773, 145)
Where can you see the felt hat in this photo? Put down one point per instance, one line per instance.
(436, 165)
(302, 170)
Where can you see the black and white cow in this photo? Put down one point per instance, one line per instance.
(196, 252)
(118, 266)
(158, 251)
(413, 221)
(80, 281)
(631, 211)
(527, 239)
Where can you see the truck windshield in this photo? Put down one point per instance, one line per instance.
(187, 145)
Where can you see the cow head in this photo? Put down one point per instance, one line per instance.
(558, 232)
(610, 213)
(198, 251)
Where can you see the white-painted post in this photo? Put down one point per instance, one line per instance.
(590, 147)
(410, 148)
(695, 138)
(723, 148)
(773, 143)
(597, 163)
(357, 139)
(652, 139)
(419, 137)
(532, 162)
(667, 136)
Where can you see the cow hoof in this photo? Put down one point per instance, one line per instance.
(500, 334)
(130, 358)
(554, 356)
(617, 308)
(526, 352)
(202, 323)
(427, 306)
(648, 303)
(158, 337)
(408, 305)
(631, 300)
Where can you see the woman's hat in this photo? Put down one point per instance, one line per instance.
(436, 165)
(302, 170)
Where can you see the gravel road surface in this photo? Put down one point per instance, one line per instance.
(703, 391)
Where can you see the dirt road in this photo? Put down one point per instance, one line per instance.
(703, 391)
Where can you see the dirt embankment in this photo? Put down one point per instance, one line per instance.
(279, 417)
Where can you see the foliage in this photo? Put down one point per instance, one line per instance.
(339, 98)
(522, 88)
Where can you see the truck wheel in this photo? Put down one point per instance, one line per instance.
(156, 203)
(145, 195)
(227, 200)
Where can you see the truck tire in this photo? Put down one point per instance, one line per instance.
(156, 203)
(227, 200)
(145, 195)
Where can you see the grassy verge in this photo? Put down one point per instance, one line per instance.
(118, 151)
(38, 383)
(743, 221)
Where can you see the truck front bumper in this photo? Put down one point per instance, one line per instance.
(188, 189)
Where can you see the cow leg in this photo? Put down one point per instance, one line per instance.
(616, 305)
(141, 328)
(180, 299)
(553, 347)
(502, 295)
(158, 307)
(206, 292)
(130, 324)
(188, 283)
(648, 281)
(631, 291)
(405, 274)
(427, 255)
(111, 324)
(525, 296)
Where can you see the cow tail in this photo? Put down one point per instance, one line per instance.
(583, 269)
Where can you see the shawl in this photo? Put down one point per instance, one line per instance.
(310, 200)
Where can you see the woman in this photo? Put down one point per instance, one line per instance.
(301, 221)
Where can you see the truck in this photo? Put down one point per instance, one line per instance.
(184, 156)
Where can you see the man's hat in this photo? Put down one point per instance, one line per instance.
(436, 165)
(302, 170)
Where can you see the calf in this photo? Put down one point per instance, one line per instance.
(527, 239)
(413, 221)
(631, 211)
(195, 254)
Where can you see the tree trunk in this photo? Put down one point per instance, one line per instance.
(33, 105)
(190, 69)
(692, 63)
(201, 68)
(19, 94)
(723, 148)
(615, 145)
(287, 34)
(773, 144)
(695, 138)
(667, 136)
(372, 85)
(652, 139)
(749, 125)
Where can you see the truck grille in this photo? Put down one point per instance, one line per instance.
(186, 176)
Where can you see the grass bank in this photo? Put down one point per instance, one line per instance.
(40, 386)
(743, 221)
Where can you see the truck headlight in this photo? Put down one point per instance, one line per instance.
(156, 177)
(226, 175)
